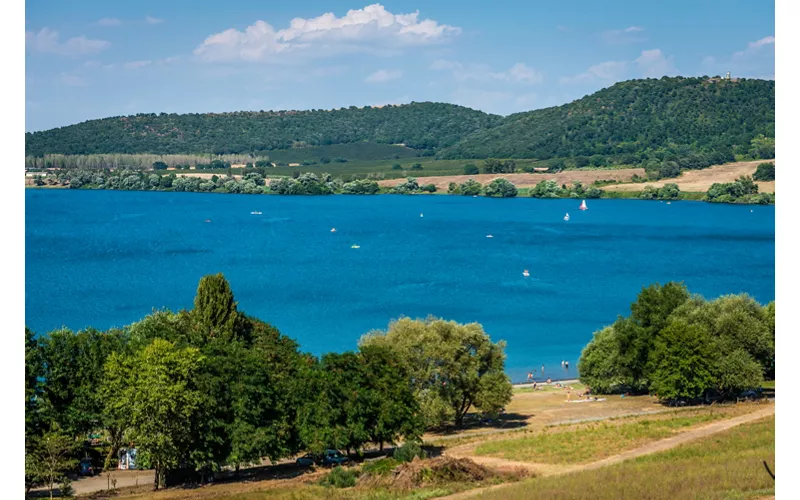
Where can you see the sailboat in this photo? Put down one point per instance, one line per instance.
(420, 214)
(526, 273)
(333, 229)
(583, 205)
(566, 217)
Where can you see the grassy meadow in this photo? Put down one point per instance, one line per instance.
(728, 465)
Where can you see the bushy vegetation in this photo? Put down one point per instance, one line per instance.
(500, 188)
(208, 387)
(551, 189)
(453, 367)
(470, 188)
(742, 190)
(340, 477)
(408, 451)
(680, 346)
(421, 126)
(494, 166)
(666, 192)
(764, 172)
(664, 125)
(686, 120)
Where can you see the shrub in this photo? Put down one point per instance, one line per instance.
(340, 477)
(416, 166)
(340, 160)
(408, 451)
(471, 188)
(501, 188)
(470, 169)
(397, 166)
(380, 467)
(765, 172)
(453, 188)
(428, 188)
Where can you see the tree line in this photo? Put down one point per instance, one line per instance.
(742, 190)
(677, 345)
(201, 389)
(651, 122)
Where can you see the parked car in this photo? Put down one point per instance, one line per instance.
(334, 457)
(308, 460)
(329, 458)
(85, 467)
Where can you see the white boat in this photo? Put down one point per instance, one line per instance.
(420, 214)
(583, 205)
(490, 236)
(526, 273)
(667, 203)
(355, 246)
(333, 230)
(255, 213)
(566, 217)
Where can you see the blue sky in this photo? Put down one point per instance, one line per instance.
(92, 59)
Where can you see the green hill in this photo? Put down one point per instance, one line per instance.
(667, 119)
(424, 126)
(635, 116)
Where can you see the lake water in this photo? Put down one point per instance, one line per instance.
(107, 258)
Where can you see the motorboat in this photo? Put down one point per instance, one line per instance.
(526, 273)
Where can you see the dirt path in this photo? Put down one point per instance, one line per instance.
(654, 447)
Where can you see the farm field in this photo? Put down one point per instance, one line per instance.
(701, 180)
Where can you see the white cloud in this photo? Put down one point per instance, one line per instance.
(652, 63)
(47, 41)
(109, 22)
(371, 29)
(136, 64)
(631, 34)
(604, 72)
(518, 73)
(383, 75)
(71, 80)
(757, 46)
(153, 20)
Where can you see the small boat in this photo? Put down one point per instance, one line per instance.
(566, 217)
(420, 214)
(355, 246)
(583, 205)
(490, 236)
(751, 211)
(208, 220)
(668, 203)
(255, 213)
(526, 273)
(333, 230)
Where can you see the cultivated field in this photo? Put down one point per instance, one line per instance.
(525, 180)
(701, 180)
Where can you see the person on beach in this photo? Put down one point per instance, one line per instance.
(566, 365)
(530, 377)
(542, 370)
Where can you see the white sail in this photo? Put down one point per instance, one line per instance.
(583, 205)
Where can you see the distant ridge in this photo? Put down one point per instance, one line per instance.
(628, 118)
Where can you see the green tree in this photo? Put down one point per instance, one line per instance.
(452, 366)
(684, 361)
(471, 169)
(500, 188)
(161, 401)
(159, 165)
(546, 189)
(765, 172)
(471, 188)
(51, 458)
(214, 307)
(453, 188)
(599, 364)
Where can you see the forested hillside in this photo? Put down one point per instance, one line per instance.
(417, 125)
(631, 122)
(633, 117)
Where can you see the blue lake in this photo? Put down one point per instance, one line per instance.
(107, 258)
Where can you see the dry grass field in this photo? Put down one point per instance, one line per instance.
(698, 181)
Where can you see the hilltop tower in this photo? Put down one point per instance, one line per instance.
(728, 75)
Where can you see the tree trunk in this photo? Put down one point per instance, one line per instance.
(155, 479)
(381, 446)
